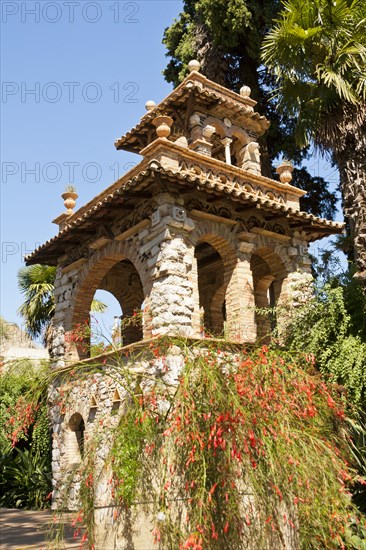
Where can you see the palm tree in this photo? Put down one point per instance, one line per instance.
(317, 51)
(37, 283)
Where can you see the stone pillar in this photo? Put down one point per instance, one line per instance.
(226, 143)
(170, 304)
(263, 321)
(197, 316)
(240, 306)
(297, 286)
(62, 350)
(200, 136)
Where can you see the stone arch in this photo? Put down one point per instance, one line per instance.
(233, 132)
(101, 272)
(238, 135)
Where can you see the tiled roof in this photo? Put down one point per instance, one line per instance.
(232, 102)
(142, 179)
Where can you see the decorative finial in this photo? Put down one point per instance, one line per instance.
(285, 170)
(163, 124)
(194, 65)
(245, 91)
(69, 197)
(150, 105)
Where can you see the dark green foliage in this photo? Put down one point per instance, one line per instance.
(25, 479)
(317, 53)
(318, 199)
(358, 449)
(25, 442)
(325, 328)
(128, 448)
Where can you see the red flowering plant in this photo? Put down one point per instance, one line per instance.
(247, 447)
(241, 448)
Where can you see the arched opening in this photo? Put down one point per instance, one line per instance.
(211, 288)
(105, 322)
(74, 439)
(117, 283)
(123, 281)
(268, 274)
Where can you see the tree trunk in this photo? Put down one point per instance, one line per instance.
(352, 167)
(213, 62)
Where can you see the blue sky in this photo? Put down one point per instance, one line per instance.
(75, 75)
(91, 81)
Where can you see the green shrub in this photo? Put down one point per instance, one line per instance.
(25, 443)
(324, 328)
(25, 479)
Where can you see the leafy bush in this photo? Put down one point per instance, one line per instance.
(324, 328)
(25, 479)
(238, 422)
(25, 443)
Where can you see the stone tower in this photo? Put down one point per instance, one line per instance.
(193, 233)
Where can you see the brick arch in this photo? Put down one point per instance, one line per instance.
(217, 235)
(221, 239)
(93, 273)
(90, 278)
(269, 270)
(274, 253)
(129, 294)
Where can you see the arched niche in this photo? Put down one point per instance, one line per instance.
(74, 439)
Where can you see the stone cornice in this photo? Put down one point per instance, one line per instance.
(162, 145)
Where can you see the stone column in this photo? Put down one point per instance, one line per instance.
(226, 143)
(62, 350)
(200, 136)
(171, 304)
(263, 321)
(240, 306)
(297, 286)
(197, 316)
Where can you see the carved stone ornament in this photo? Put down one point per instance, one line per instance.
(179, 214)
